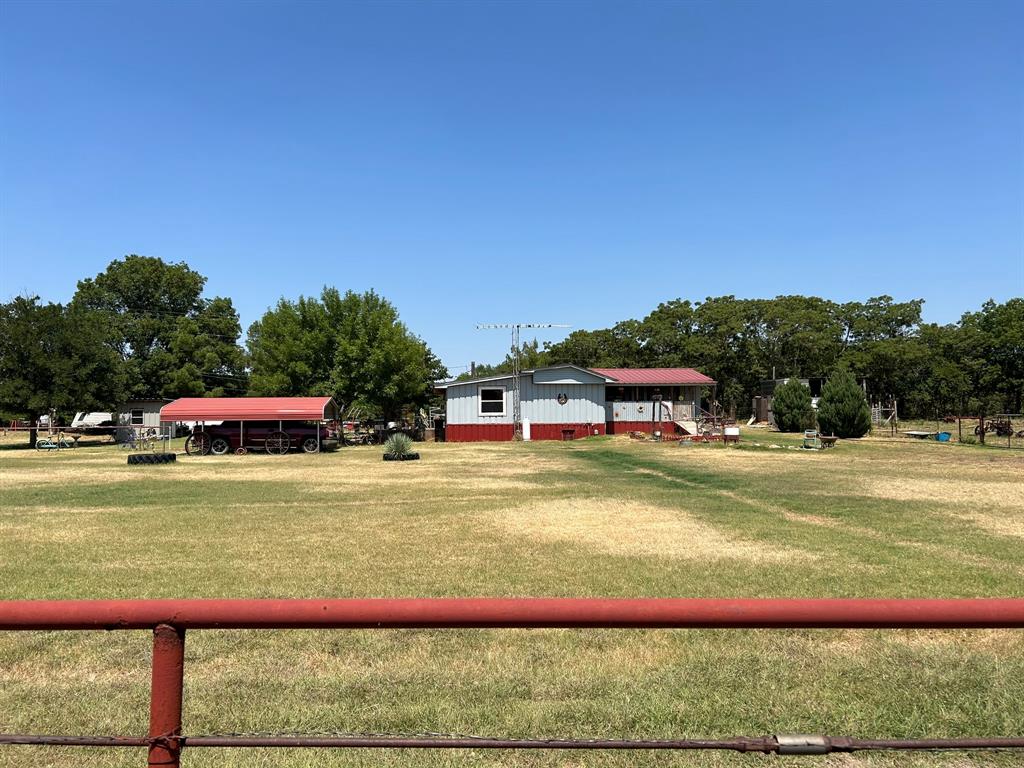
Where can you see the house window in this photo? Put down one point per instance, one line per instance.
(492, 401)
(137, 420)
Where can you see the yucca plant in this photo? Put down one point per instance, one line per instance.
(398, 445)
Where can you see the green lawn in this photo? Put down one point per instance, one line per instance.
(601, 517)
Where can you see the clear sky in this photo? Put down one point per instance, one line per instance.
(497, 161)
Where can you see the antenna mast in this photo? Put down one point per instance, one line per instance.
(517, 406)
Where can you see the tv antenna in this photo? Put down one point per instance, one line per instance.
(517, 407)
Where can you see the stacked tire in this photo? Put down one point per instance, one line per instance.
(152, 458)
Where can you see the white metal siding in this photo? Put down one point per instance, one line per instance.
(463, 403)
(643, 410)
(565, 375)
(150, 414)
(631, 411)
(585, 403)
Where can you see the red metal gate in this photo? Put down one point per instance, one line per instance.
(169, 620)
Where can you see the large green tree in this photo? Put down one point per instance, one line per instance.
(616, 347)
(56, 358)
(991, 348)
(174, 342)
(531, 355)
(351, 346)
(975, 366)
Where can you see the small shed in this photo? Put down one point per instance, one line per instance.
(135, 416)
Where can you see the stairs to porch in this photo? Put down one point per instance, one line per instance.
(687, 425)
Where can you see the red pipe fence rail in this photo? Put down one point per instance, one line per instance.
(169, 620)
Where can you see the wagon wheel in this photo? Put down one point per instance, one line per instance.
(278, 443)
(977, 430)
(310, 445)
(197, 444)
(219, 446)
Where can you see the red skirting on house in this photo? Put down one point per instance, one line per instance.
(475, 433)
(622, 427)
(555, 431)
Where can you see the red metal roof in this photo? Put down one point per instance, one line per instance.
(250, 409)
(655, 375)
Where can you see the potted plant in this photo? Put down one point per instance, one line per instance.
(398, 447)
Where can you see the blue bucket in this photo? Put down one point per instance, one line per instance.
(943, 437)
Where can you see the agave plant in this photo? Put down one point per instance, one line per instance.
(398, 445)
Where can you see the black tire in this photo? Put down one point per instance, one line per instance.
(152, 458)
(197, 444)
(219, 446)
(310, 445)
(278, 443)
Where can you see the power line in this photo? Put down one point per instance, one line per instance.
(517, 407)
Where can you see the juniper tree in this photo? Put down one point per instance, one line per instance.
(791, 406)
(842, 409)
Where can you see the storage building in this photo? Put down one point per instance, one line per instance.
(137, 416)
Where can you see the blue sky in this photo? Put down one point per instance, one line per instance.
(486, 162)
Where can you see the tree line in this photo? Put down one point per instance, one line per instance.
(143, 329)
(972, 367)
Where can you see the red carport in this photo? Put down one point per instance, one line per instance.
(250, 409)
(242, 409)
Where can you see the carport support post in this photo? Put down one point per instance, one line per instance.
(166, 696)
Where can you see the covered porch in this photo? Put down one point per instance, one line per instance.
(640, 408)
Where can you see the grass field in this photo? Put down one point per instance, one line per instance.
(602, 517)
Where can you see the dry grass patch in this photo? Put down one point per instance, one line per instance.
(64, 470)
(635, 530)
(31, 532)
(495, 470)
(733, 461)
(1009, 524)
(853, 643)
(991, 492)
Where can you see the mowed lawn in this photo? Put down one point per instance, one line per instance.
(602, 517)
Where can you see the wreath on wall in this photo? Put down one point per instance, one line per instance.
(562, 398)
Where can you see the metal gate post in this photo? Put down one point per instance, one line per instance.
(166, 696)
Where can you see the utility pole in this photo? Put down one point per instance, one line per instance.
(517, 407)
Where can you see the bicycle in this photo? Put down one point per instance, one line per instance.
(55, 442)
